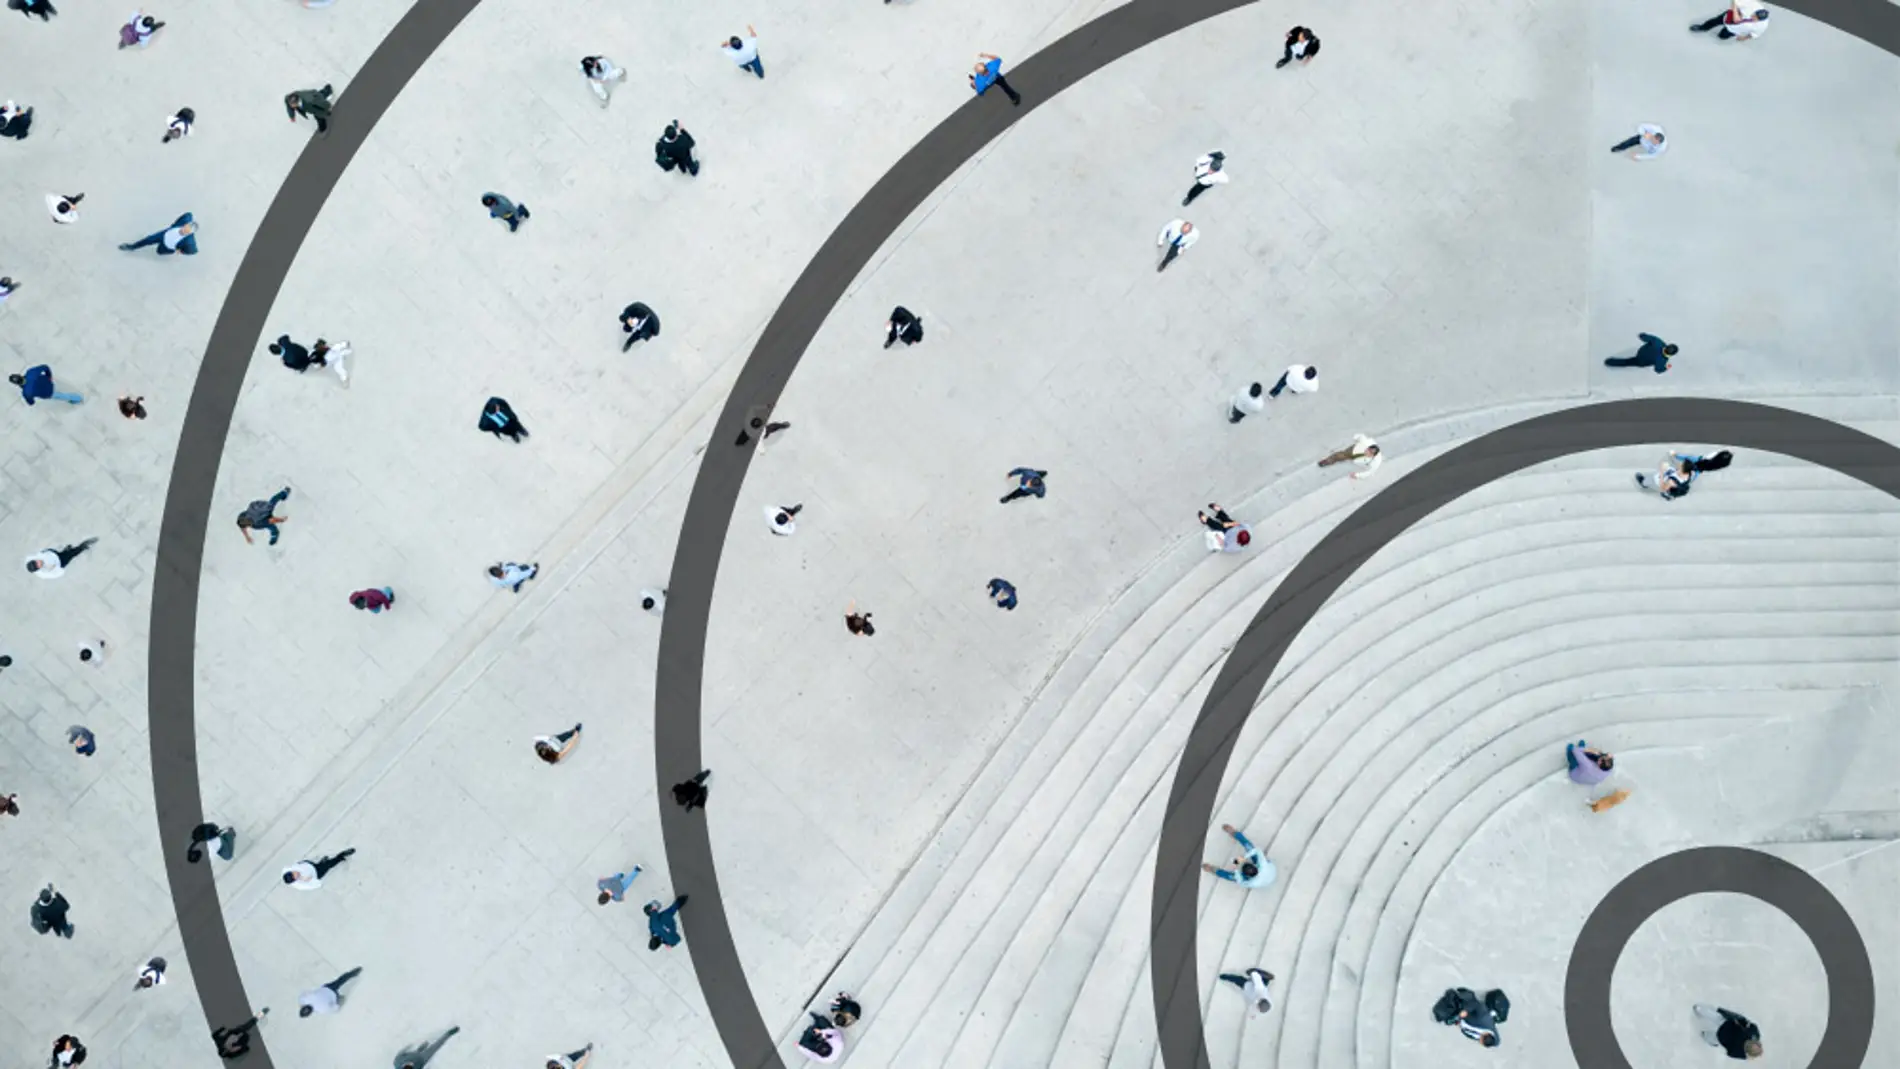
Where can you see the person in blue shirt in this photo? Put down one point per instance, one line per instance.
(663, 929)
(989, 71)
(1003, 593)
(181, 236)
(37, 385)
(1255, 870)
(1028, 483)
(1655, 353)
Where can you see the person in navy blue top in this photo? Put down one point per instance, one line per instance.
(989, 71)
(37, 385)
(662, 929)
(181, 236)
(1655, 353)
(1028, 482)
(1003, 593)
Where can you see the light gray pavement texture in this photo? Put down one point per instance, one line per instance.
(1428, 213)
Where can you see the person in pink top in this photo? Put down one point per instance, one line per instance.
(1587, 766)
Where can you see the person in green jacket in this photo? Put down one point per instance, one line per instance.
(314, 103)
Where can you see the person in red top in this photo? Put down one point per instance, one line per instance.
(374, 599)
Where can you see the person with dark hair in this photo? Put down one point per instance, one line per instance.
(1252, 870)
(1738, 1036)
(323, 354)
(601, 76)
(1648, 141)
(1672, 478)
(138, 32)
(67, 1051)
(307, 875)
(152, 975)
(374, 599)
(1720, 460)
(294, 356)
(1254, 985)
(674, 150)
(1029, 483)
(15, 122)
(572, 1060)
(36, 384)
(639, 323)
(43, 8)
(744, 51)
(783, 519)
(226, 838)
(236, 1042)
(554, 748)
(653, 601)
(614, 888)
(1363, 451)
(418, 1056)
(1003, 593)
(821, 1042)
(500, 207)
(132, 407)
(10, 805)
(1219, 522)
(1207, 175)
(310, 103)
(499, 419)
(988, 72)
(49, 913)
(51, 563)
(1744, 20)
(261, 515)
(1654, 353)
(662, 928)
(1300, 45)
(692, 793)
(179, 125)
(845, 1010)
(82, 740)
(325, 999)
(510, 576)
(180, 237)
(1477, 1020)
(858, 623)
(1246, 402)
(903, 326)
(64, 207)
(1588, 767)
(7, 286)
(1300, 378)
(1179, 236)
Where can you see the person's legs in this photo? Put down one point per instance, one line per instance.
(600, 90)
(1235, 415)
(757, 66)
(1627, 143)
(1278, 386)
(1705, 27)
(1173, 251)
(1626, 361)
(1709, 1016)
(1193, 191)
(1231, 877)
(149, 239)
(1286, 57)
(324, 865)
(1014, 494)
(336, 985)
(1336, 458)
(323, 123)
(1237, 981)
(1013, 95)
(67, 554)
(1570, 758)
(1724, 33)
(69, 398)
(577, 1055)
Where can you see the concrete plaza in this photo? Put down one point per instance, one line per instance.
(957, 818)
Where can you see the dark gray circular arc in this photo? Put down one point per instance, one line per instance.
(1734, 870)
(1306, 589)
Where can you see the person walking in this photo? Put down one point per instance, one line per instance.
(1245, 403)
(1208, 173)
(1300, 45)
(179, 125)
(82, 740)
(500, 207)
(180, 237)
(152, 975)
(310, 103)
(1672, 478)
(43, 8)
(307, 875)
(1219, 521)
(262, 515)
(132, 407)
(9, 804)
(323, 354)
(821, 1042)
(858, 623)
(1477, 1019)
(15, 122)
(36, 384)
(845, 1010)
(988, 72)
(499, 419)
(294, 356)
(1252, 870)
(48, 914)
(511, 576)
(674, 150)
(692, 794)
(138, 31)
(92, 652)
(614, 888)
(236, 1042)
(1654, 353)
(7, 286)
(638, 323)
(662, 927)
(206, 833)
(374, 599)
(1363, 451)
(1648, 142)
(554, 748)
(1738, 1036)
(744, 51)
(325, 999)
(67, 1051)
(1587, 766)
(1003, 593)
(1254, 983)
(64, 207)
(601, 76)
(781, 519)
(418, 1056)
(571, 1060)
(51, 563)
(1300, 378)
(653, 601)
(1029, 483)
(1743, 21)
(903, 326)
(1179, 236)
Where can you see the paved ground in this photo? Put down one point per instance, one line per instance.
(1428, 215)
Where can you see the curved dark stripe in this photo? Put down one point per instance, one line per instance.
(181, 538)
(716, 489)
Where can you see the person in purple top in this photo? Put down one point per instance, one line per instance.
(1588, 767)
(989, 71)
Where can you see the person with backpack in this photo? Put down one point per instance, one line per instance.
(1252, 870)
(822, 1042)
(1738, 1036)
(662, 928)
(226, 838)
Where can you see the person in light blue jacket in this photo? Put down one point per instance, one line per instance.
(1254, 871)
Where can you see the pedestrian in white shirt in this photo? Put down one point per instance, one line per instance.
(781, 519)
(1207, 173)
(1648, 142)
(653, 601)
(1178, 236)
(1363, 451)
(138, 30)
(1300, 378)
(152, 975)
(1743, 20)
(601, 75)
(1246, 402)
(64, 208)
(7, 286)
(1254, 984)
(325, 999)
(179, 125)
(307, 875)
(511, 576)
(93, 652)
(744, 51)
(572, 1060)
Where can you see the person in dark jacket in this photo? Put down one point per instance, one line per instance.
(1028, 484)
(43, 8)
(639, 323)
(36, 384)
(311, 103)
(294, 356)
(1300, 45)
(662, 929)
(15, 122)
(236, 1042)
(1655, 353)
(674, 149)
(692, 793)
(67, 1051)
(499, 419)
(1735, 1034)
(904, 327)
(500, 207)
(49, 914)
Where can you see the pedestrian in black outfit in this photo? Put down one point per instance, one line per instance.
(1219, 521)
(16, 123)
(1736, 1035)
(67, 1051)
(226, 838)
(308, 875)
(314, 103)
(294, 356)
(858, 623)
(904, 327)
(236, 1042)
(692, 793)
(674, 149)
(1028, 483)
(49, 914)
(418, 1056)
(1655, 353)
(500, 420)
(639, 323)
(1300, 45)
(43, 8)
